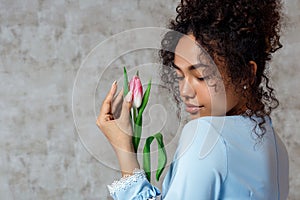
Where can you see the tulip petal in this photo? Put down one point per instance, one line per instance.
(132, 85)
(136, 87)
(137, 100)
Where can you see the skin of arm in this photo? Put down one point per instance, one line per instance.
(118, 131)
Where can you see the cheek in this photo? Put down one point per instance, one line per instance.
(218, 98)
(216, 85)
(204, 93)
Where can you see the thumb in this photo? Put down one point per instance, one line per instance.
(127, 104)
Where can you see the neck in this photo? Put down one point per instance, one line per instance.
(238, 109)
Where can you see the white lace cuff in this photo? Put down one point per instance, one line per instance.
(135, 186)
(126, 182)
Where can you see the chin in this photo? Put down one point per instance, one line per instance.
(194, 116)
(198, 115)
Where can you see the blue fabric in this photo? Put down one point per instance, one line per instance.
(222, 158)
(139, 190)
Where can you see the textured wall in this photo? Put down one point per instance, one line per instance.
(42, 45)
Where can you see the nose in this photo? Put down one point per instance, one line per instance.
(186, 89)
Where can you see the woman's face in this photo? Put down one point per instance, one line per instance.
(201, 87)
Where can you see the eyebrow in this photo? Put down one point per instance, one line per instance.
(191, 67)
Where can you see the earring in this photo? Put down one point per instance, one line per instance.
(248, 112)
(245, 87)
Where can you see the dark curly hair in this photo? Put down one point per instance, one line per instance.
(234, 31)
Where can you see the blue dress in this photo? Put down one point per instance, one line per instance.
(218, 158)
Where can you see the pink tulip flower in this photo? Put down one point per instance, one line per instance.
(135, 86)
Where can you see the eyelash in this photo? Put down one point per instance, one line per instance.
(200, 78)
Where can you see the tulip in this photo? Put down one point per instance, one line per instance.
(140, 101)
(135, 86)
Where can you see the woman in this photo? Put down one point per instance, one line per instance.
(214, 61)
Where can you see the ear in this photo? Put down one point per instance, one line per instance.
(253, 66)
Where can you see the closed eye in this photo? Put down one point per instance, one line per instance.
(204, 78)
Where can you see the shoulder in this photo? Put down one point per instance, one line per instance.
(206, 134)
(203, 133)
(207, 138)
(212, 133)
(202, 145)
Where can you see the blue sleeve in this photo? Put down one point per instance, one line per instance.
(135, 187)
(200, 167)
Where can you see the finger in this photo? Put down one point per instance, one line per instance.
(106, 105)
(117, 102)
(126, 106)
(116, 111)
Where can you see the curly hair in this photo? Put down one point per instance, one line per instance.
(237, 32)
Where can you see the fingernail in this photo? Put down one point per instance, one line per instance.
(128, 97)
(114, 83)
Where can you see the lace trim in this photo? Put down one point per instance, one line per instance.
(127, 181)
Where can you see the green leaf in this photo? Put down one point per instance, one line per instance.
(146, 157)
(144, 103)
(162, 156)
(125, 86)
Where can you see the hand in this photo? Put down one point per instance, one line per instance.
(116, 125)
(114, 121)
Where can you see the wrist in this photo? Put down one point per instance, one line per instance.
(128, 162)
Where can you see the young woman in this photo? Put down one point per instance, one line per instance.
(214, 61)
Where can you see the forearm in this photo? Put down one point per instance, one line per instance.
(133, 184)
(127, 160)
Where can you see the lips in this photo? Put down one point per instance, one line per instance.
(192, 108)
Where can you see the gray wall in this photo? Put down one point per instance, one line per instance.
(43, 44)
